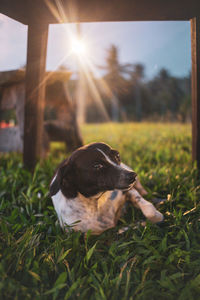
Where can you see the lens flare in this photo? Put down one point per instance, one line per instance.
(86, 66)
(78, 47)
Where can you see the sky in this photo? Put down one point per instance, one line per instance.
(155, 44)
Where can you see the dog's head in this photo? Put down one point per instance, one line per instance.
(92, 169)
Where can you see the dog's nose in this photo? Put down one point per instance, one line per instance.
(131, 176)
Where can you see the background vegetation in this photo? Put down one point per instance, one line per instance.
(119, 92)
(39, 261)
(129, 96)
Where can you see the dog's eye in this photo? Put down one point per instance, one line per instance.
(115, 155)
(118, 156)
(98, 166)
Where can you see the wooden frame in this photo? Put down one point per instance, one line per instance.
(26, 11)
(34, 93)
(38, 14)
(195, 44)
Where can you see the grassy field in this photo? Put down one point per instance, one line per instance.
(39, 261)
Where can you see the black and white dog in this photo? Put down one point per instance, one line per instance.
(92, 186)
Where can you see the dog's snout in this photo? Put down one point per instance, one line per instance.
(131, 176)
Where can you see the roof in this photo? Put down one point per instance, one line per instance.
(63, 11)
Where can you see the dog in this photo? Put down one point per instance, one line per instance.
(90, 188)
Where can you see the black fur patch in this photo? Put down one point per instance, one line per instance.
(55, 186)
(64, 181)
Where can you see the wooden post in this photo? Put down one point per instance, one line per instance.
(195, 43)
(35, 93)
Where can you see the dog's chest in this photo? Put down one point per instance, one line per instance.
(86, 213)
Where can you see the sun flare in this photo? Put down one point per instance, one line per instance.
(81, 50)
(79, 47)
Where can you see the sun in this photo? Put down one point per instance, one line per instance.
(78, 47)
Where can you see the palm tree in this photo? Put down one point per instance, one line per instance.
(137, 76)
(117, 84)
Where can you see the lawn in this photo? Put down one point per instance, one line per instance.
(39, 261)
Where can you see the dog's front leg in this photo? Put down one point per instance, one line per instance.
(109, 211)
(138, 186)
(147, 208)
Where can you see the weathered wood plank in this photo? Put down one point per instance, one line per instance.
(51, 11)
(195, 42)
(35, 93)
(135, 10)
(15, 9)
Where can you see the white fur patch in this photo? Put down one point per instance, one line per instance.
(64, 209)
(97, 215)
(107, 158)
(121, 166)
(126, 167)
(54, 178)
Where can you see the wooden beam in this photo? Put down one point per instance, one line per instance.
(16, 9)
(116, 10)
(35, 93)
(53, 11)
(195, 43)
(134, 10)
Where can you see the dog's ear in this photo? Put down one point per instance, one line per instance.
(68, 180)
(64, 180)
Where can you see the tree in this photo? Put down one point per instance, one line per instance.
(116, 83)
(137, 76)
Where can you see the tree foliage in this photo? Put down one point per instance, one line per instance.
(130, 96)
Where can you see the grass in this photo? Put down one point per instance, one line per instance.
(39, 261)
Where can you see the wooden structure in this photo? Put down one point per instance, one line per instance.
(61, 122)
(38, 14)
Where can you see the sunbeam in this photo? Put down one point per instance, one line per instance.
(80, 50)
(94, 90)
